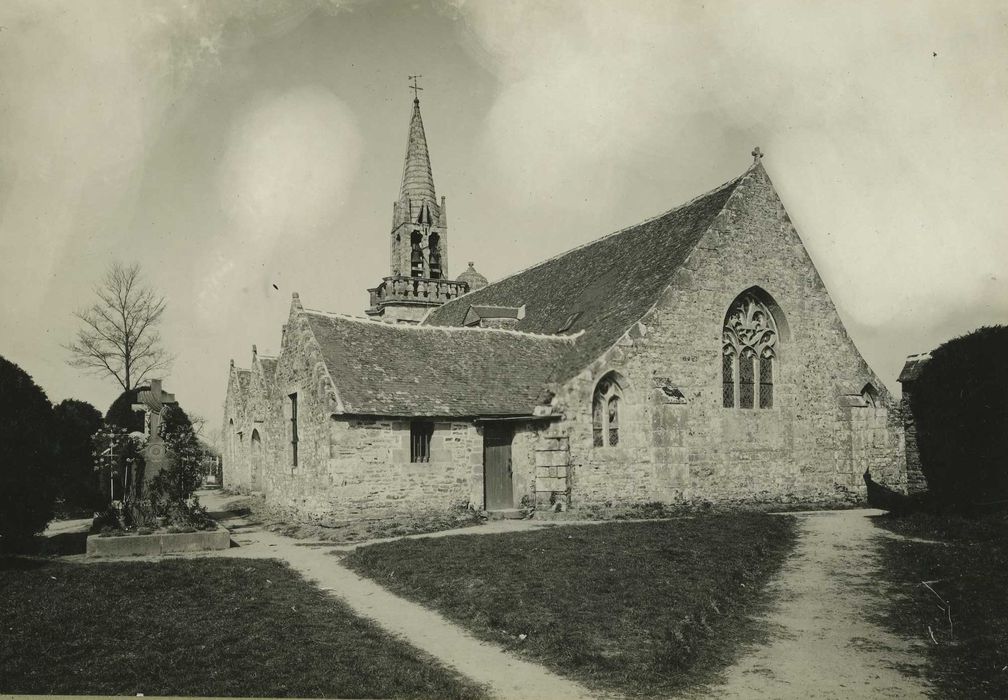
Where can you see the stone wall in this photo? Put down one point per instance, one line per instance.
(916, 483)
(360, 468)
(351, 467)
(235, 428)
(676, 439)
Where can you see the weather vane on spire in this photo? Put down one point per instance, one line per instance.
(415, 88)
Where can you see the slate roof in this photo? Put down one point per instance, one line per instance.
(385, 369)
(913, 367)
(611, 283)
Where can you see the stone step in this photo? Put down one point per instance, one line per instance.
(506, 514)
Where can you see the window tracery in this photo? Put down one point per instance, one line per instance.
(606, 406)
(749, 353)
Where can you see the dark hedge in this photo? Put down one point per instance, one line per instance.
(28, 484)
(960, 407)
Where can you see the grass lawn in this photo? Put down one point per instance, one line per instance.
(970, 573)
(254, 510)
(197, 627)
(641, 608)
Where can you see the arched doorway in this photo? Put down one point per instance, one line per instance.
(257, 461)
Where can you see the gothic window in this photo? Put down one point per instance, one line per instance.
(606, 412)
(420, 440)
(750, 340)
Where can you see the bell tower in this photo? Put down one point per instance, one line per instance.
(418, 278)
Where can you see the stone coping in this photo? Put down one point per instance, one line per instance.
(158, 543)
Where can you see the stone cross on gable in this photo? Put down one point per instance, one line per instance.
(757, 155)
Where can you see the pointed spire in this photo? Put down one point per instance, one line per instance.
(417, 180)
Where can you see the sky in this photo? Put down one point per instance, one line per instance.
(241, 151)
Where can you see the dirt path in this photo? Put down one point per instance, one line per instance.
(823, 643)
(506, 676)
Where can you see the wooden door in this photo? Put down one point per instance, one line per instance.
(497, 490)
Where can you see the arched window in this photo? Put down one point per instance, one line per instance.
(870, 395)
(256, 463)
(416, 255)
(606, 405)
(434, 255)
(750, 343)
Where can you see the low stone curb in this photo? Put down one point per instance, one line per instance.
(158, 543)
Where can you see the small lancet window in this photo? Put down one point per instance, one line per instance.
(606, 412)
(294, 428)
(749, 353)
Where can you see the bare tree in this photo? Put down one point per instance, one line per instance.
(198, 423)
(119, 334)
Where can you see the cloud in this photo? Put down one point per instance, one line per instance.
(289, 161)
(889, 157)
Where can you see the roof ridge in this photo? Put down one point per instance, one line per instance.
(722, 186)
(448, 329)
(640, 319)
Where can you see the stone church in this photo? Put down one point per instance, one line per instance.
(696, 356)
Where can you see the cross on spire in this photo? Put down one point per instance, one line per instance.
(415, 88)
(757, 155)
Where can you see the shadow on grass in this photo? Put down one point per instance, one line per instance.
(13, 562)
(203, 627)
(951, 573)
(62, 544)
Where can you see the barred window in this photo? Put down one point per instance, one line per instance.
(420, 440)
(606, 412)
(750, 339)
